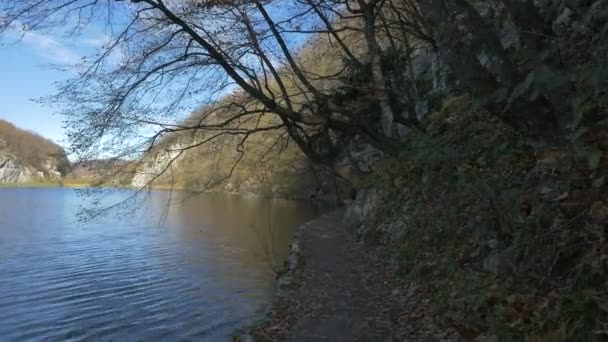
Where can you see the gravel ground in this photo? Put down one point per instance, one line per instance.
(343, 290)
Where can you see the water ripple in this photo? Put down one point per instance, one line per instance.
(199, 276)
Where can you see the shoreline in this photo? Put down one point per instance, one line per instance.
(43, 185)
(336, 288)
(76, 185)
(284, 281)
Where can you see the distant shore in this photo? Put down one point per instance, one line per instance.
(50, 184)
(84, 184)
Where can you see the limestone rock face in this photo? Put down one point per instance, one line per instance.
(12, 171)
(156, 165)
(366, 202)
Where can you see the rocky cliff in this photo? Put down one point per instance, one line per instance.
(12, 171)
(28, 157)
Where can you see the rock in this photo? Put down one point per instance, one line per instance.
(359, 211)
(599, 213)
(564, 21)
(496, 264)
(599, 183)
(157, 164)
(545, 190)
(365, 155)
(51, 169)
(13, 171)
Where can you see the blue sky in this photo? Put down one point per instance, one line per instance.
(25, 75)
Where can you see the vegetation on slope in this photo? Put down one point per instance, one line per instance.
(248, 150)
(100, 172)
(31, 149)
(506, 243)
(266, 163)
(498, 211)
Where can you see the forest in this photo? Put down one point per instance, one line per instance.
(475, 132)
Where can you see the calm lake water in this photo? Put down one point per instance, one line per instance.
(198, 270)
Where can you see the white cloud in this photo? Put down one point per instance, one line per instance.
(48, 45)
(91, 42)
(50, 48)
(96, 41)
(54, 48)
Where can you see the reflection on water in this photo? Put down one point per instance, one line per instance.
(199, 274)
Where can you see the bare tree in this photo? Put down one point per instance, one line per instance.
(248, 64)
(164, 58)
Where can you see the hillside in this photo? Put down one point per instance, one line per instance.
(269, 165)
(28, 157)
(474, 132)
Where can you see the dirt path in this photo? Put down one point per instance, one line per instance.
(344, 291)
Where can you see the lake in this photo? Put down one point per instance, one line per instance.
(197, 269)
